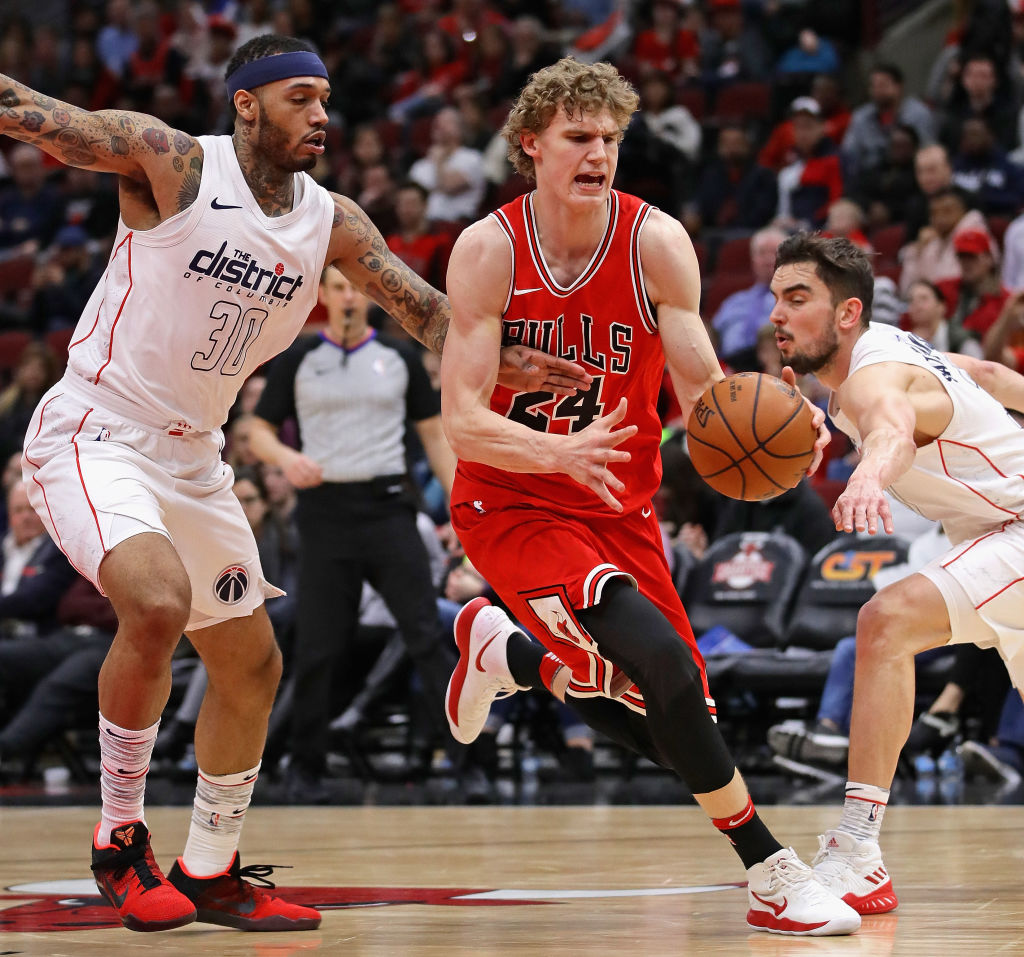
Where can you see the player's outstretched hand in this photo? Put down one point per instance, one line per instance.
(530, 370)
(817, 420)
(592, 451)
(861, 505)
(302, 471)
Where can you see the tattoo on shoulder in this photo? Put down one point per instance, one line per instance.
(189, 189)
(178, 163)
(118, 146)
(182, 143)
(40, 99)
(156, 139)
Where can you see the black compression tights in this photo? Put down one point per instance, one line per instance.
(678, 731)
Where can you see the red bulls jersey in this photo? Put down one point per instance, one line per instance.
(604, 321)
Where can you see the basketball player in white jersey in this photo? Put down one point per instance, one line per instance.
(931, 436)
(215, 269)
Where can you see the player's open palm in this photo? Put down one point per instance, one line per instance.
(861, 505)
(591, 452)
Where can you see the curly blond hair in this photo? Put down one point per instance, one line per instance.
(575, 87)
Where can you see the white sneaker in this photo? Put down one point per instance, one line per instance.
(853, 870)
(785, 898)
(481, 633)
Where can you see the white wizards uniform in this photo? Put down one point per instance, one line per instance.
(970, 478)
(129, 440)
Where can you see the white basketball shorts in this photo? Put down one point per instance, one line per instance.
(982, 582)
(96, 480)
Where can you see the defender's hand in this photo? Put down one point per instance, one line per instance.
(530, 370)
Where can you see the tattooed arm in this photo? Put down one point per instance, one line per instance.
(359, 251)
(139, 148)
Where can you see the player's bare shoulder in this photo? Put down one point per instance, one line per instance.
(671, 272)
(481, 265)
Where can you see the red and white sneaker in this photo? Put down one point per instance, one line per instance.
(127, 875)
(785, 898)
(853, 870)
(481, 633)
(230, 900)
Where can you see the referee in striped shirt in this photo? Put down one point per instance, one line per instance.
(351, 393)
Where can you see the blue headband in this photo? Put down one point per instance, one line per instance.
(279, 66)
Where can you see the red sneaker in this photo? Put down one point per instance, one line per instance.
(229, 900)
(127, 876)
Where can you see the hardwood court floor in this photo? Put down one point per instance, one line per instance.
(455, 881)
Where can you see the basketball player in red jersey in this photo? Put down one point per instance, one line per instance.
(220, 245)
(552, 497)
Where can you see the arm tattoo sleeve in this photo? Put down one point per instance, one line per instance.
(422, 310)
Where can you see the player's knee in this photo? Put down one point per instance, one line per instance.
(882, 628)
(157, 614)
(270, 669)
(667, 668)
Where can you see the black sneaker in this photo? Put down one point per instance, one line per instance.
(230, 900)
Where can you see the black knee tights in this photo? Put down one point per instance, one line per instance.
(633, 634)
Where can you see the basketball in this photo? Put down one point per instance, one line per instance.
(750, 436)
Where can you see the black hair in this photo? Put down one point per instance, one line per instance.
(890, 70)
(267, 44)
(412, 184)
(956, 191)
(842, 266)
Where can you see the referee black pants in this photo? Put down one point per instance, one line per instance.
(353, 532)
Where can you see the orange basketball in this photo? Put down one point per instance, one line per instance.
(750, 436)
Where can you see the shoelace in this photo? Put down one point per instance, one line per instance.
(143, 872)
(796, 874)
(259, 873)
(836, 865)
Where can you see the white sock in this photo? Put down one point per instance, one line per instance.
(124, 763)
(217, 814)
(863, 810)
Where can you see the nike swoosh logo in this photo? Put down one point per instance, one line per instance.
(480, 667)
(523, 292)
(646, 512)
(216, 205)
(119, 899)
(778, 908)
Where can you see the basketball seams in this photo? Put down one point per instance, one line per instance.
(767, 478)
(735, 462)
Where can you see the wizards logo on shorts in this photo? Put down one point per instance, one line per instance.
(232, 584)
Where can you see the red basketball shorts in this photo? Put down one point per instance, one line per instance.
(545, 564)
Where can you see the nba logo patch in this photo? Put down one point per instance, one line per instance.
(231, 585)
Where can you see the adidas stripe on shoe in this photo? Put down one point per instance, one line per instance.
(853, 870)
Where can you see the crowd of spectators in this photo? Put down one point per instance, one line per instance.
(754, 122)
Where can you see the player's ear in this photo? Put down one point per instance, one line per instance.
(528, 141)
(246, 105)
(849, 312)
